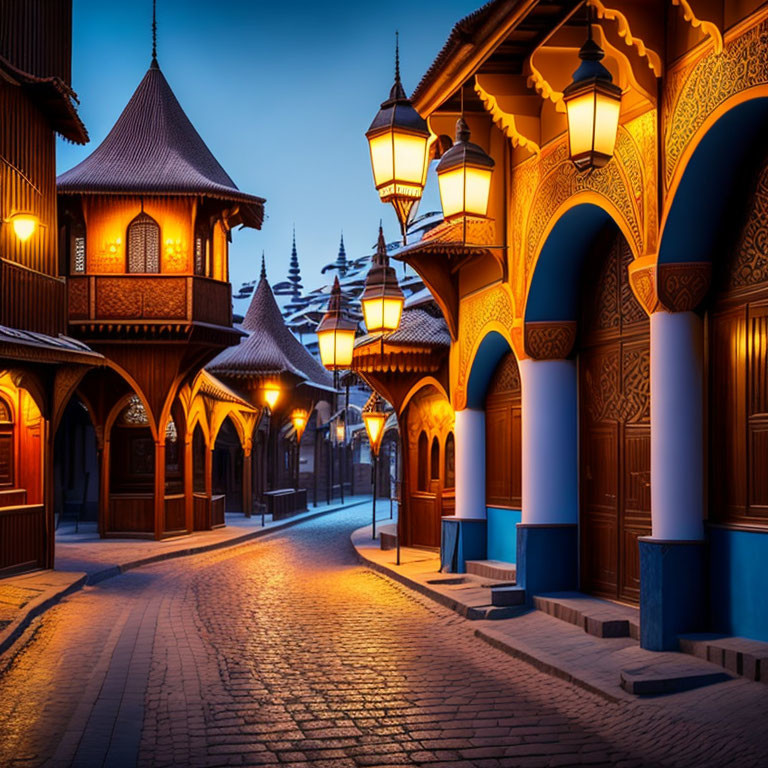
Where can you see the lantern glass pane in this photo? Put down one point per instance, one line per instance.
(24, 226)
(410, 157)
(373, 314)
(374, 423)
(607, 123)
(581, 121)
(477, 191)
(381, 159)
(452, 191)
(336, 347)
(393, 308)
(271, 395)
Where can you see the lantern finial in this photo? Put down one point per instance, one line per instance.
(263, 275)
(397, 91)
(153, 65)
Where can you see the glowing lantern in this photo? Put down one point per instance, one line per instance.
(592, 102)
(340, 431)
(299, 419)
(336, 333)
(398, 140)
(382, 297)
(374, 417)
(24, 225)
(271, 394)
(464, 175)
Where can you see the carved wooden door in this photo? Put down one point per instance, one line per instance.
(614, 393)
(503, 437)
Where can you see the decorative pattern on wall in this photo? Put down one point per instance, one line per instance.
(695, 91)
(550, 340)
(619, 396)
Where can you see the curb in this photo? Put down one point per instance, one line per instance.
(37, 607)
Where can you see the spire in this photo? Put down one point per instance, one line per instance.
(397, 91)
(154, 64)
(263, 275)
(294, 271)
(381, 257)
(341, 259)
(334, 302)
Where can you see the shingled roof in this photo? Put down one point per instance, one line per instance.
(270, 349)
(154, 149)
(419, 327)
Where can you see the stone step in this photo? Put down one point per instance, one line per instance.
(388, 536)
(507, 596)
(739, 655)
(597, 617)
(492, 569)
(672, 677)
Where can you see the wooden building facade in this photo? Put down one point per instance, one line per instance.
(607, 328)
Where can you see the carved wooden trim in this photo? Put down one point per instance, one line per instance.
(642, 279)
(682, 287)
(550, 340)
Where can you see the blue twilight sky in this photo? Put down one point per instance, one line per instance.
(282, 93)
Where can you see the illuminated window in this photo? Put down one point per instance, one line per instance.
(202, 235)
(143, 244)
(450, 461)
(6, 445)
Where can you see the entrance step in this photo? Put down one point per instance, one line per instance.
(388, 536)
(671, 677)
(492, 569)
(739, 655)
(597, 617)
(506, 596)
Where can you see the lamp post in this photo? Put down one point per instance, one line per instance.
(398, 139)
(374, 417)
(270, 392)
(464, 176)
(592, 104)
(299, 419)
(336, 340)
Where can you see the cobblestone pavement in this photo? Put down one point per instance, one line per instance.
(287, 652)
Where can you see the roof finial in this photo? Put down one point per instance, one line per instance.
(263, 275)
(381, 256)
(397, 56)
(154, 34)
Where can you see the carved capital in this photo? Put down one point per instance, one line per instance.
(550, 340)
(678, 287)
(682, 287)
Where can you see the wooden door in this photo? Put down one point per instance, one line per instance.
(503, 437)
(615, 437)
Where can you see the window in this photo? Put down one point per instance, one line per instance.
(422, 463)
(434, 463)
(6, 445)
(143, 244)
(202, 235)
(450, 461)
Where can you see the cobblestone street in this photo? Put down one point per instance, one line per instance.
(287, 652)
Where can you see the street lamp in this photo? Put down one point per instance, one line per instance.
(336, 333)
(382, 297)
(24, 225)
(374, 417)
(592, 103)
(398, 139)
(299, 419)
(271, 394)
(464, 176)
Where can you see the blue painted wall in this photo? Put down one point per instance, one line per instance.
(502, 534)
(739, 582)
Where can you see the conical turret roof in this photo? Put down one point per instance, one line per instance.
(270, 349)
(153, 148)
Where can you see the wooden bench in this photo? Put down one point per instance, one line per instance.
(285, 502)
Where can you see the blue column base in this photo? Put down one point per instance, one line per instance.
(462, 539)
(673, 592)
(547, 558)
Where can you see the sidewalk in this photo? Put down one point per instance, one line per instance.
(615, 668)
(84, 558)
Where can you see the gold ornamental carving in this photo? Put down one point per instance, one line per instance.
(682, 287)
(550, 340)
(695, 93)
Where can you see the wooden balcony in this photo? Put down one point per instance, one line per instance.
(149, 304)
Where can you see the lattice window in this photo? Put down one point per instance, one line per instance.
(143, 244)
(5, 413)
(78, 260)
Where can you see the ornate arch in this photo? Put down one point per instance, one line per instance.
(419, 385)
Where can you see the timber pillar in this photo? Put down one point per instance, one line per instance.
(673, 559)
(547, 537)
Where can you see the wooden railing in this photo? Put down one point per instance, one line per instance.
(22, 538)
(175, 516)
(131, 513)
(201, 507)
(31, 300)
(218, 505)
(145, 298)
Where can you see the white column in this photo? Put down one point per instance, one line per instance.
(677, 432)
(550, 442)
(470, 463)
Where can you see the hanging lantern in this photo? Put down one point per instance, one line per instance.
(336, 333)
(374, 417)
(592, 103)
(24, 225)
(340, 431)
(464, 176)
(271, 394)
(398, 139)
(299, 419)
(382, 297)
